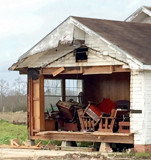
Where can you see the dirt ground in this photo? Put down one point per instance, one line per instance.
(30, 154)
(24, 154)
(14, 117)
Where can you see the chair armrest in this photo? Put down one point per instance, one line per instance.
(85, 117)
(103, 114)
(107, 118)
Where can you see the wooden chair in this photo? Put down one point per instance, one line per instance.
(107, 123)
(86, 122)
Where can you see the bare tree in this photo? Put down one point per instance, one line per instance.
(20, 86)
(13, 98)
(3, 92)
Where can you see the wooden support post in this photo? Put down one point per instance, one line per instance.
(30, 142)
(42, 103)
(105, 147)
(30, 107)
(63, 90)
(66, 143)
(36, 117)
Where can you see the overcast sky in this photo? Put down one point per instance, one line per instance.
(24, 22)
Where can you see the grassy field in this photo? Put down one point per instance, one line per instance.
(17, 117)
(11, 131)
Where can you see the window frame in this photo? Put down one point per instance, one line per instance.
(63, 89)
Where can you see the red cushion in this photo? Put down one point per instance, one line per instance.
(107, 105)
(96, 109)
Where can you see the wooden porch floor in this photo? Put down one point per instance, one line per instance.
(86, 136)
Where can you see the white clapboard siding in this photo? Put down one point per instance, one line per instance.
(61, 42)
(137, 103)
(94, 59)
(78, 33)
(93, 41)
(147, 92)
(61, 34)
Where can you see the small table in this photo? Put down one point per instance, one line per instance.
(124, 127)
(123, 120)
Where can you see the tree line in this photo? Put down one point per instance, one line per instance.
(13, 97)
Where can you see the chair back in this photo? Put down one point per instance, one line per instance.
(113, 113)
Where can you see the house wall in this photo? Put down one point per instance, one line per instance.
(99, 53)
(137, 103)
(140, 98)
(62, 34)
(93, 41)
(141, 18)
(94, 59)
(114, 86)
(147, 19)
(147, 102)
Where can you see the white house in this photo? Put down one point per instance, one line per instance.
(116, 65)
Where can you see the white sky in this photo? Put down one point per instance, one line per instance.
(24, 22)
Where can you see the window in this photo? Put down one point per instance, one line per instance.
(73, 88)
(53, 92)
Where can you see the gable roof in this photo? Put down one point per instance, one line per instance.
(149, 8)
(133, 38)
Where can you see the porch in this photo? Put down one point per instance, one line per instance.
(100, 82)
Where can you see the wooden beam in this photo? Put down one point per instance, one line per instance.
(97, 70)
(23, 71)
(88, 136)
(72, 70)
(48, 71)
(103, 70)
(120, 69)
(58, 71)
(20, 147)
(15, 142)
(84, 70)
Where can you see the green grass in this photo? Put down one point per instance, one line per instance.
(133, 155)
(45, 142)
(143, 155)
(12, 131)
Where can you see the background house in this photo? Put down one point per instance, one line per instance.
(142, 15)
